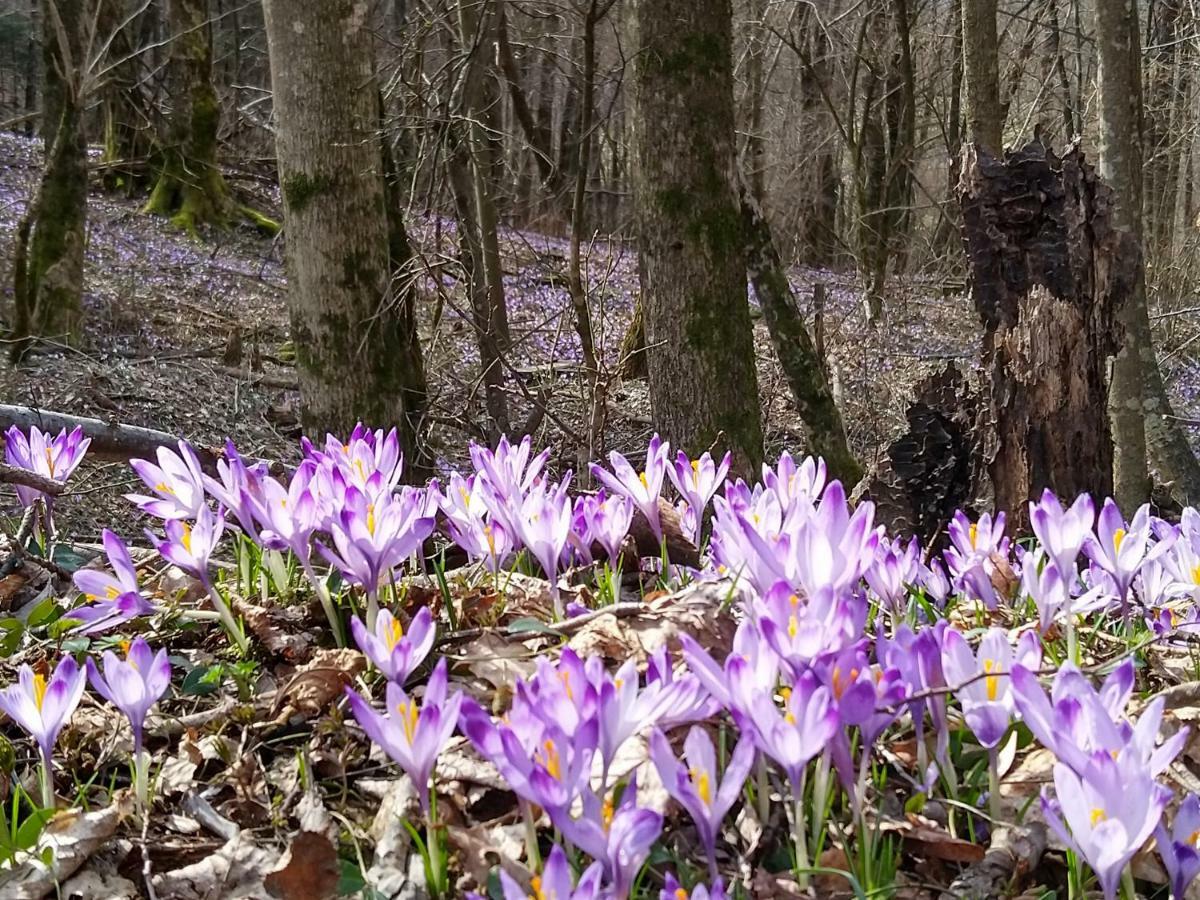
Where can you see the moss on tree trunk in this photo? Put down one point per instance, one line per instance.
(189, 188)
(700, 356)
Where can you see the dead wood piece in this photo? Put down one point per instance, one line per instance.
(1014, 851)
(1050, 271)
(26, 478)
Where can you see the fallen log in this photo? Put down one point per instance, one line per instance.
(110, 440)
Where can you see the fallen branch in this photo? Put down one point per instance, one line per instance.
(1014, 851)
(30, 479)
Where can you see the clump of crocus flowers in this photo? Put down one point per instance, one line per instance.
(845, 636)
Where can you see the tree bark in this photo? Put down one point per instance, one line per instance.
(48, 267)
(981, 75)
(348, 324)
(1050, 271)
(189, 186)
(1120, 107)
(703, 384)
(801, 364)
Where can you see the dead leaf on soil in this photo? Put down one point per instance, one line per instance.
(274, 631)
(232, 872)
(71, 837)
(481, 848)
(696, 610)
(317, 683)
(308, 871)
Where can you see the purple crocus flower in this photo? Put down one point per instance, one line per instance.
(1120, 550)
(794, 734)
(974, 542)
(1052, 594)
(372, 536)
(1105, 817)
(673, 890)
(1180, 848)
(42, 708)
(412, 736)
(608, 517)
(111, 599)
(895, 566)
(697, 480)
(1078, 723)
(644, 487)
(789, 482)
(697, 786)
(392, 651)
(620, 837)
(556, 881)
(1062, 532)
(176, 484)
(933, 580)
(544, 524)
(134, 684)
(986, 698)
(237, 484)
(52, 457)
(191, 547)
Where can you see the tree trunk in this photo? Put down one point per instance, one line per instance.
(981, 75)
(48, 269)
(347, 323)
(1049, 273)
(189, 187)
(128, 137)
(801, 364)
(1120, 109)
(703, 384)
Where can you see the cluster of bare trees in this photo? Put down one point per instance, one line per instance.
(729, 139)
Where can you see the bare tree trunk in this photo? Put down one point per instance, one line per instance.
(190, 188)
(801, 364)
(491, 310)
(1049, 273)
(48, 268)
(703, 385)
(981, 75)
(348, 326)
(1120, 164)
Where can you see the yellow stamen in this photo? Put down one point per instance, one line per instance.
(408, 720)
(186, 537)
(565, 677)
(1196, 574)
(1194, 838)
(550, 760)
(642, 478)
(394, 634)
(111, 593)
(163, 488)
(371, 518)
(39, 690)
(1118, 538)
(490, 538)
(696, 472)
(50, 462)
(606, 813)
(681, 894)
(1098, 815)
(703, 785)
(793, 626)
(973, 533)
(794, 600)
(536, 883)
(992, 681)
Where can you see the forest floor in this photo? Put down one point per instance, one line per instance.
(162, 309)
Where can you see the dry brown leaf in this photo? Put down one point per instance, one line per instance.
(923, 837)
(232, 872)
(71, 837)
(92, 884)
(308, 871)
(497, 661)
(696, 610)
(314, 685)
(482, 848)
(274, 631)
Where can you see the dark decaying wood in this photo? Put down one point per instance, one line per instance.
(1049, 273)
(1013, 853)
(930, 470)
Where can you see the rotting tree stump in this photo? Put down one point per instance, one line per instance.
(1049, 271)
